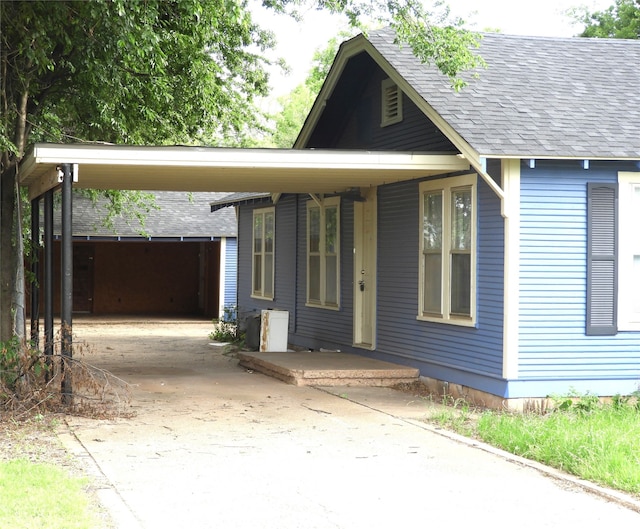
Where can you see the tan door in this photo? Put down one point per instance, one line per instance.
(365, 273)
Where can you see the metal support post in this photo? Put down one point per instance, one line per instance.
(66, 288)
(48, 280)
(35, 272)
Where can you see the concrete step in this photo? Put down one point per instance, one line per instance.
(311, 368)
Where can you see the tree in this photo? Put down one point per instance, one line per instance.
(619, 21)
(155, 72)
(122, 71)
(297, 104)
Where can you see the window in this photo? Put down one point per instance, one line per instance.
(391, 103)
(263, 253)
(629, 252)
(447, 250)
(323, 252)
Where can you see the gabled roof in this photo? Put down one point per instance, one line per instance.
(179, 215)
(539, 97)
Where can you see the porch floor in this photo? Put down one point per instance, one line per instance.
(313, 368)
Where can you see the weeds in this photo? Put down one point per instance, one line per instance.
(596, 441)
(456, 414)
(579, 434)
(31, 382)
(226, 329)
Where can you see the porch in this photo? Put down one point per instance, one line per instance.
(326, 368)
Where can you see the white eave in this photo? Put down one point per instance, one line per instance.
(230, 170)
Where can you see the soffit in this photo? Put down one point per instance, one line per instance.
(229, 170)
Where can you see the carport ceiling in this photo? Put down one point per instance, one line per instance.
(232, 170)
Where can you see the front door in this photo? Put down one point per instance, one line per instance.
(365, 272)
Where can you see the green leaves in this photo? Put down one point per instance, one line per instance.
(165, 72)
(427, 27)
(620, 21)
(134, 71)
(129, 205)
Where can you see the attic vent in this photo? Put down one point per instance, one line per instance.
(391, 103)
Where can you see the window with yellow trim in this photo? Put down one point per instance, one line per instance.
(263, 253)
(448, 250)
(323, 252)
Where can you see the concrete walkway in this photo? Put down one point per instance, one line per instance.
(214, 445)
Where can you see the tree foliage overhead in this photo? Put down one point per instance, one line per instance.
(157, 72)
(128, 71)
(619, 21)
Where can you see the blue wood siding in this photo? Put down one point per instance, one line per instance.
(414, 132)
(285, 263)
(319, 327)
(466, 354)
(230, 294)
(553, 271)
(360, 126)
(431, 345)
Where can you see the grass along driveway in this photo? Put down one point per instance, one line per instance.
(595, 441)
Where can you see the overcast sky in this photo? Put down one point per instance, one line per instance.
(298, 41)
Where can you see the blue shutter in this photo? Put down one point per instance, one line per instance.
(602, 253)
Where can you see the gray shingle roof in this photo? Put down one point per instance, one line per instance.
(233, 199)
(181, 214)
(538, 97)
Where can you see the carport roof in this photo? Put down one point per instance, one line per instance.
(180, 168)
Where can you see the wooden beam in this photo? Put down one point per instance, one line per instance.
(42, 184)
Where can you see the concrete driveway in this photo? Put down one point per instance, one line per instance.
(213, 445)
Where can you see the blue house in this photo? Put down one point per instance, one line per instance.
(514, 276)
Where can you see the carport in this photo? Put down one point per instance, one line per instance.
(47, 168)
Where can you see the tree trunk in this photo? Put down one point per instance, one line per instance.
(8, 255)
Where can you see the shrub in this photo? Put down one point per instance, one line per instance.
(226, 328)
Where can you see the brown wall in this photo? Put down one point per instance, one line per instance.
(168, 278)
(136, 278)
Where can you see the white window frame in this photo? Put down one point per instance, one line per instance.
(446, 186)
(389, 117)
(322, 205)
(262, 292)
(628, 248)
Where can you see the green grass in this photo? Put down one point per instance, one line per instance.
(597, 442)
(43, 496)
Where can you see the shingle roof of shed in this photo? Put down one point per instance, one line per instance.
(538, 96)
(180, 214)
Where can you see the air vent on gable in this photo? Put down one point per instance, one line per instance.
(391, 103)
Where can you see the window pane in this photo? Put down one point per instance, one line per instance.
(432, 300)
(314, 278)
(268, 275)
(432, 221)
(331, 289)
(461, 284)
(314, 230)
(268, 232)
(257, 274)
(331, 230)
(461, 219)
(257, 233)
